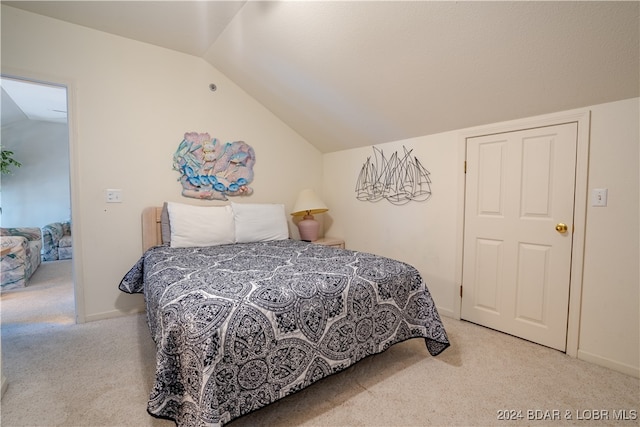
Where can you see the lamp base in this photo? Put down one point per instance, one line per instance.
(308, 228)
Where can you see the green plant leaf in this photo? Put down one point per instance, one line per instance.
(8, 161)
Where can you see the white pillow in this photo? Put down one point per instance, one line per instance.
(199, 226)
(260, 222)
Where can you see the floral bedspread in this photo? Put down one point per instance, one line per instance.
(240, 326)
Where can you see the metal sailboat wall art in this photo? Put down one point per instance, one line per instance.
(399, 179)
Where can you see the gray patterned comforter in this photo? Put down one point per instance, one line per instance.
(239, 326)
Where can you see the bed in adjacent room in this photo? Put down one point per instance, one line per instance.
(245, 316)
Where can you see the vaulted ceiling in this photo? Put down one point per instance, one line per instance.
(358, 73)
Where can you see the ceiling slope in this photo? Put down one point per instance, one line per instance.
(186, 26)
(358, 73)
(350, 74)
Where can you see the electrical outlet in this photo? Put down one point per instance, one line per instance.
(599, 197)
(113, 195)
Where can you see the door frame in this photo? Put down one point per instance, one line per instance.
(583, 118)
(77, 260)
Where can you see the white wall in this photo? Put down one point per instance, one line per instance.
(610, 324)
(419, 233)
(426, 234)
(130, 105)
(37, 193)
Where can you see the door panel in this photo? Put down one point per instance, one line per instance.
(536, 177)
(490, 179)
(516, 266)
(488, 267)
(532, 283)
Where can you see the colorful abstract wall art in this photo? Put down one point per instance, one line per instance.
(399, 179)
(212, 170)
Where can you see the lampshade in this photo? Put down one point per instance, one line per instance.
(308, 203)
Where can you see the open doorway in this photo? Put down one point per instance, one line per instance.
(35, 194)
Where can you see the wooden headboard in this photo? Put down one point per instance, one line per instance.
(151, 227)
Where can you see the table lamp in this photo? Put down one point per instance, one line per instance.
(307, 204)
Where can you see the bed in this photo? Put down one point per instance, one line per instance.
(240, 325)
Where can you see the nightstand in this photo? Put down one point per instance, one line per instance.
(330, 241)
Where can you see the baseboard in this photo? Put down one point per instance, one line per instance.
(446, 312)
(634, 371)
(4, 386)
(113, 314)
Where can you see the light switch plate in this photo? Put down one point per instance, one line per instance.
(599, 197)
(113, 195)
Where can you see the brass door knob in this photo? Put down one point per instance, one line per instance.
(561, 228)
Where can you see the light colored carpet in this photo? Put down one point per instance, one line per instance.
(100, 374)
